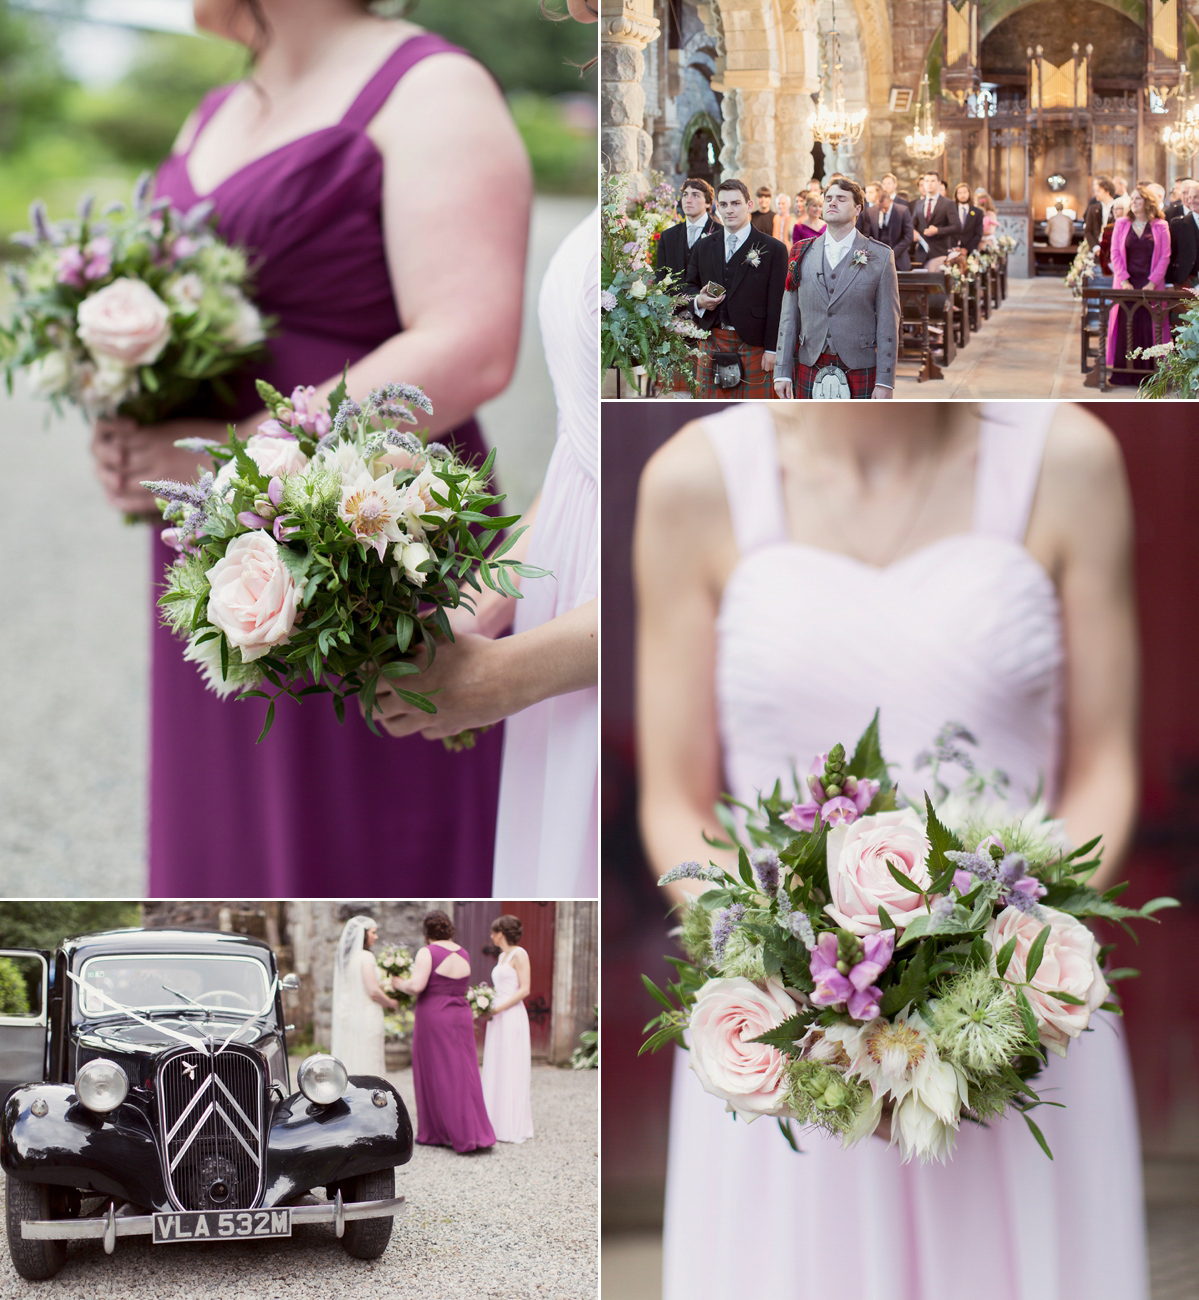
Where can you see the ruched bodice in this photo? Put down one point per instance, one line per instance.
(967, 629)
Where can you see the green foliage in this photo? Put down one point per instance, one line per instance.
(14, 996)
(45, 925)
(562, 153)
(32, 82)
(586, 1055)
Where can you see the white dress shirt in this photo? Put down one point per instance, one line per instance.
(695, 229)
(835, 250)
(734, 239)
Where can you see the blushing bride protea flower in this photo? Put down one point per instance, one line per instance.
(372, 508)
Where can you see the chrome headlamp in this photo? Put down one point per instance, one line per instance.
(101, 1085)
(322, 1078)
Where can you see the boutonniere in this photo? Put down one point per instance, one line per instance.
(753, 257)
(860, 258)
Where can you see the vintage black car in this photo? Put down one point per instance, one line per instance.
(148, 1092)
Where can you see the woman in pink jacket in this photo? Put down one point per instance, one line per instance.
(1140, 255)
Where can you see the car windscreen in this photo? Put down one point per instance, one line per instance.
(168, 981)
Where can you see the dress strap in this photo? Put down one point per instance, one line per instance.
(402, 59)
(1011, 444)
(746, 445)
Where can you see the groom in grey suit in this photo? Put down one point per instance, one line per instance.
(839, 330)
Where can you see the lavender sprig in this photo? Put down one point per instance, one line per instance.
(197, 444)
(404, 441)
(347, 411)
(691, 871)
(400, 393)
(725, 922)
(765, 863)
(192, 494)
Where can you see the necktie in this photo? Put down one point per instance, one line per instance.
(730, 247)
(962, 213)
(928, 210)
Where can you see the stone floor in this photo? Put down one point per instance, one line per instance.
(1029, 348)
(631, 1263)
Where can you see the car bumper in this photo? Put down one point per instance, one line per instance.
(110, 1225)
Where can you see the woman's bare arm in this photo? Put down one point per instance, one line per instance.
(524, 973)
(1083, 518)
(682, 546)
(422, 968)
(374, 990)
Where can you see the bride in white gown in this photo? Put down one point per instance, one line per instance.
(358, 1000)
(944, 566)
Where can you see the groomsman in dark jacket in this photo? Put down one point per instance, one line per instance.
(747, 271)
(970, 219)
(1184, 241)
(934, 219)
(675, 245)
(1098, 210)
(892, 225)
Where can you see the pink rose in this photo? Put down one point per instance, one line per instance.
(126, 321)
(1070, 963)
(859, 881)
(253, 598)
(276, 457)
(727, 1014)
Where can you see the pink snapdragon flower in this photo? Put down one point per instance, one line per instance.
(846, 806)
(842, 982)
(273, 429)
(70, 266)
(307, 413)
(98, 258)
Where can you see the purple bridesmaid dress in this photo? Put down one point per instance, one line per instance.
(317, 808)
(450, 1111)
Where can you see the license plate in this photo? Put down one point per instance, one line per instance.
(221, 1225)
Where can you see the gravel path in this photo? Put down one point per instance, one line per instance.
(517, 1223)
(75, 626)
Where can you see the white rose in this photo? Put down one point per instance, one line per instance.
(246, 327)
(857, 856)
(49, 375)
(276, 457)
(637, 289)
(125, 321)
(409, 556)
(727, 1015)
(105, 387)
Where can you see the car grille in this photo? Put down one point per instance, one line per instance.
(211, 1108)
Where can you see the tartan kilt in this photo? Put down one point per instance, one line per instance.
(861, 382)
(756, 383)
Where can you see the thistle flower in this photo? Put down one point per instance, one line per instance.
(976, 1024)
(691, 871)
(723, 924)
(765, 863)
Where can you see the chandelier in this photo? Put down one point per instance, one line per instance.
(1182, 139)
(833, 125)
(924, 142)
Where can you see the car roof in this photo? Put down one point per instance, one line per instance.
(134, 940)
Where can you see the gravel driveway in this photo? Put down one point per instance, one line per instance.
(517, 1223)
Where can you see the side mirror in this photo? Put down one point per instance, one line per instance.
(290, 983)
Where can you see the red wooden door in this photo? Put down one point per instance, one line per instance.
(473, 924)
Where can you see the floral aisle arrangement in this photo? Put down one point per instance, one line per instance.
(640, 322)
(1004, 244)
(130, 312)
(395, 962)
(866, 959)
(1081, 269)
(327, 549)
(1176, 369)
(481, 999)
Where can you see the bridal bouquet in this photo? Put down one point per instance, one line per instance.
(395, 962)
(866, 958)
(324, 551)
(130, 312)
(481, 999)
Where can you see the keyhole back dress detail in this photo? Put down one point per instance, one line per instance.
(316, 802)
(450, 1110)
(967, 628)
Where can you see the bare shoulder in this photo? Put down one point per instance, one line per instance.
(1081, 454)
(454, 78)
(683, 476)
(1082, 510)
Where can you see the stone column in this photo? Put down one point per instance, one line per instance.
(626, 28)
(575, 991)
(793, 126)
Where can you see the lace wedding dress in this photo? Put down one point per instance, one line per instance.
(967, 629)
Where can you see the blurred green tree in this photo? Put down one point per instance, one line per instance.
(47, 924)
(14, 995)
(32, 82)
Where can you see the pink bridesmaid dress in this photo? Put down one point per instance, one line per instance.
(547, 832)
(507, 1061)
(967, 629)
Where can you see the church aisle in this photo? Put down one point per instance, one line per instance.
(1029, 348)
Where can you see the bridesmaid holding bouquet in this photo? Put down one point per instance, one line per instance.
(445, 1066)
(507, 1064)
(331, 165)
